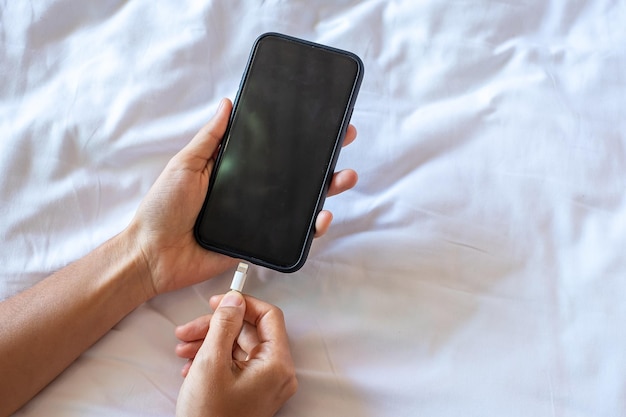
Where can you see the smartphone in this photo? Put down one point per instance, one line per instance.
(278, 155)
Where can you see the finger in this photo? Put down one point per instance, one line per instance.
(226, 325)
(202, 147)
(186, 367)
(342, 181)
(322, 222)
(269, 321)
(214, 301)
(350, 135)
(239, 354)
(194, 330)
(248, 338)
(261, 313)
(273, 346)
(188, 350)
(255, 308)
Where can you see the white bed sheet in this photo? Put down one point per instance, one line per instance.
(478, 267)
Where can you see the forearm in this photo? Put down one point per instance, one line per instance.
(45, 328)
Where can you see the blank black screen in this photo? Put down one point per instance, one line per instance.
(278, 150)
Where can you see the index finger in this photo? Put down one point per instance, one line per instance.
(267, 318)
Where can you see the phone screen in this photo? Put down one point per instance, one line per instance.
(278, 155)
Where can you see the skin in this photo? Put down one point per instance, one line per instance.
(46, 327)
(255, 377)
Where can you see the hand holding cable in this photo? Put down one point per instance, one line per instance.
(239, 359)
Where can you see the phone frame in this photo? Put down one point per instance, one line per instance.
(306, 245)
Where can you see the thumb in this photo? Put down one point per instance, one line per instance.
(206, 141)
(226, 325)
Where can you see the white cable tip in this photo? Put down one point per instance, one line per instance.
(239, 279)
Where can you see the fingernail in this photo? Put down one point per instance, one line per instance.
(232, 299)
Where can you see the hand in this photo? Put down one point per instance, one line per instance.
(163, 225)
(342, 181)
(243, 367)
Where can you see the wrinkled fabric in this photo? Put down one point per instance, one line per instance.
(477, 268)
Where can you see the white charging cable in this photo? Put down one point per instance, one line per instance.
(239, 279)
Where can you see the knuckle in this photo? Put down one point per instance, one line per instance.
(285, 375)
(278, 313)
(291, 387)
(223, 319)
(226, 322)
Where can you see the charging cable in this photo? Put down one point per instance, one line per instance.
(239, 279)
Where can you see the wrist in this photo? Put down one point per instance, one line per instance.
(136, 259)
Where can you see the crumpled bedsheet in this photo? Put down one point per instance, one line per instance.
(478, 267)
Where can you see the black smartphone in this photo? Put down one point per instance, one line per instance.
(278, 155)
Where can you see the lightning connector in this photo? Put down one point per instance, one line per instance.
(239, 279)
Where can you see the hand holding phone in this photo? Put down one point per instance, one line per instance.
(278, 155)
